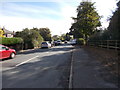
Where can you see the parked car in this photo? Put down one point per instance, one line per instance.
(55, 43)
(46, 45)
(6, 52)
(65, 42)
(59, 42)
(73, 42)
(52, 44)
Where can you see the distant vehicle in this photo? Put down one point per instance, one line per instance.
(46, 45)
(55, 43)
(65, 42)
(58, 42)
(6, 52)
(73, 42)
(52, 43)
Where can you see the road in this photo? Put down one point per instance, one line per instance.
(40, 68)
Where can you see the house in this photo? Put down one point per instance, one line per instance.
(1, 32)
(6, 33)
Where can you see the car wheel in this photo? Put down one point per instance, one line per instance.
(12, 55)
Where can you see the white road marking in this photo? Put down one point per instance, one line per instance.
(25, 61)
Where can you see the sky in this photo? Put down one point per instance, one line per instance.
(15, 15)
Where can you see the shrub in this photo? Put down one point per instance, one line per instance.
(10, 41)
(31, 38)
(81, 41)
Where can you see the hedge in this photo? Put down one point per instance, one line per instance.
(10, 41)
(81, 41)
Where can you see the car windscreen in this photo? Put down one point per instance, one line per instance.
(44, 42)
(0, 47)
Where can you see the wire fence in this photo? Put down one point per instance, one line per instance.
(109, 44)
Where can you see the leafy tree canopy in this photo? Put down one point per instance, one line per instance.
(86, 22)
(45, 33)
(31, 37)
(55, 37)
(114, 25)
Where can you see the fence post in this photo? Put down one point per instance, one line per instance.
(101, 43)
(116, 45)
(22, 45)
(107, 44)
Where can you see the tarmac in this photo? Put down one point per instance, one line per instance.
(85, 71)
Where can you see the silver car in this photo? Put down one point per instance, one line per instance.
(45, 45)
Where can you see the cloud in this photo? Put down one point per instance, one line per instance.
(16, 19)
(40, 0)
(105, 8)
(16, 16)
(27, 10)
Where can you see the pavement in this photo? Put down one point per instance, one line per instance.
(86, 71)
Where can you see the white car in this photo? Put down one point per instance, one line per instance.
(46, 45)
(73, 42)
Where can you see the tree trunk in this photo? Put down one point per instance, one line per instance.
(86, 39)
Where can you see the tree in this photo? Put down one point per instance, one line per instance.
(101, 34)
(45, 33)
(36, 38)
(55, 37)
(114, 25)
(63, 37)
(86, 22)
(68, 37)
(74, 30)
(31, 38)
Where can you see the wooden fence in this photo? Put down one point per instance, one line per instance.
(109, 44)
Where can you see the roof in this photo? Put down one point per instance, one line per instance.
(7, 31)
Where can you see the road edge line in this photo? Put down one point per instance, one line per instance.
(25, 61)
(71, 71)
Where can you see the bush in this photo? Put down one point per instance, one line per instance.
(31, 38)
(81, 41)
(10, 41)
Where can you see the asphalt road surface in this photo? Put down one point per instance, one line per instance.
(40, 68)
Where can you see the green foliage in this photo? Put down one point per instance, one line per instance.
(81, 41)
(114, 25)
(105, 35)
(31, 37)
(45, 33)
(10, 41)
(64, 37)
(113, 32)
(100, 35)
(75, 31)
(68, 37)
(55, 37)
(86, 22)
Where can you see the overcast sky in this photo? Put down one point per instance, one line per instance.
(54, 14)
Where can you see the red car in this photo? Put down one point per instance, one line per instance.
(6, 52)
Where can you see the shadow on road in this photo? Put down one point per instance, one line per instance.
(46, 72)
(56, 48)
